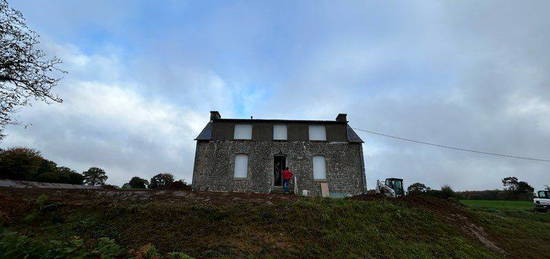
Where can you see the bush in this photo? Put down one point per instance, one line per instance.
(446, 192)
(147, 251)
(109, 187)
(179, 185)
(15, 245)
(495, 195)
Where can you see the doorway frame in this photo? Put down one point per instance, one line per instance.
(283, 168)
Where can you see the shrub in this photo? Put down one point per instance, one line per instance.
(15, 245)
(495, 195)
(178, 255)
(107, 248)
(109, 187)
(179, 185)
(147, 251)
(446, 192)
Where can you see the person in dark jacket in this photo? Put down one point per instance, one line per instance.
(287, 175)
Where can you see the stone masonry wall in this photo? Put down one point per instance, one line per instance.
(214, 163)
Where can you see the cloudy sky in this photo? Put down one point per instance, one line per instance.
(143, 76)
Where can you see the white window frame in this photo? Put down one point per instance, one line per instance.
(280, 132)
(238, 166)
(317, 133)
(316, 169)
(242, 132)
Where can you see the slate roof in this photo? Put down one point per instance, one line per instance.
(352, 136)
(282, 121)
(206, 133)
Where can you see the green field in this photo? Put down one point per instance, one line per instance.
(498, 204)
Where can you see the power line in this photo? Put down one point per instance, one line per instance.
(454, 148)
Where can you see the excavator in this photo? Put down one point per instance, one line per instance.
(392, 187)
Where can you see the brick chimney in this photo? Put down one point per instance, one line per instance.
(214, 115)
(342, 117)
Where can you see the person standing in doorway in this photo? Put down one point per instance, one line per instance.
(287, 175)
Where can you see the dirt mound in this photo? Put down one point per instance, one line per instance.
(434, 204)
(369, 197)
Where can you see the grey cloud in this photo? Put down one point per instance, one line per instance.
(469, 73)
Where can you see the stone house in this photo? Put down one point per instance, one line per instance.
(248, 155)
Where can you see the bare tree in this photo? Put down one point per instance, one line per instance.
(26, 73)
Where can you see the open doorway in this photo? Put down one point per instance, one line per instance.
(279, 164)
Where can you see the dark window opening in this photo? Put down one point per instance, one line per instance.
(279, 164)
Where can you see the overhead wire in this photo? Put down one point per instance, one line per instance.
(454, 147)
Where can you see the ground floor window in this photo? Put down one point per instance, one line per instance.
(241, 166)
(319, 168)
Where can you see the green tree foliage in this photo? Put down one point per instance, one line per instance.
(95, 176)
(417, 188)
(47, 171)
(138, 183)
(20, 163)
(161, 181)
(70, 176)
(448, 191)
(513, 190)
(512, 184)
(524, 187)
(28, 164)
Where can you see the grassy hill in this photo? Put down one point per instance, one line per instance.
(180, 224)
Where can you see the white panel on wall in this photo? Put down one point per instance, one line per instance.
(279, 132)
(243, 131)
(317, 132)
(319, 168)
(241, 166)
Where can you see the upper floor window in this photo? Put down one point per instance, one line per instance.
(279, 132)
(243, 131)
(241, 166)
(319, 168)
(317, 132)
